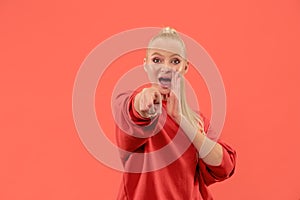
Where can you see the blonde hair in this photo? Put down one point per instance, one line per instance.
(193, 117)
(169, 33)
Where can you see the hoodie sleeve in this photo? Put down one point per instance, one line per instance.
(132, 130)
(212, 174)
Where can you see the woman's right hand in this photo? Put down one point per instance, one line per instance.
(148, 102)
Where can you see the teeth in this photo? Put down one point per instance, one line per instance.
(165, 82)
(164, 79)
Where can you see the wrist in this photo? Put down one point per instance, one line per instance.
(206, 146)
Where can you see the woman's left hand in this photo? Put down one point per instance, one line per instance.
(174, 100)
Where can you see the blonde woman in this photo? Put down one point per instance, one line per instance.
(151, 117)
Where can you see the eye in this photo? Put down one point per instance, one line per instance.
(175, 61)
(156, 60)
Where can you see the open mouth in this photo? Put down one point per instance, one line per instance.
(165, 82)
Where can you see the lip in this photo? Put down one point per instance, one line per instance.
(165, 81)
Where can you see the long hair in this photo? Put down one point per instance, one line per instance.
(193, 117)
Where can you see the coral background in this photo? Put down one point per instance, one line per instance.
(255, 45)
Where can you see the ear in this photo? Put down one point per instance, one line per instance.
(144, 63)
(186, 68)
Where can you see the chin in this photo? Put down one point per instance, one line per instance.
(164, 90)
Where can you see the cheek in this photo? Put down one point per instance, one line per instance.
(178, 68)
(152, 71)
(153, 68)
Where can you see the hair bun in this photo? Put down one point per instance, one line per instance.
(169, 30)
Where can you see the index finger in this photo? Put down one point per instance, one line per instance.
(158, 100)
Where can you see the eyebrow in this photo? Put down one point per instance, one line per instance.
(156, 53)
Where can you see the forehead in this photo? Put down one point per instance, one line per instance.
(166, 46)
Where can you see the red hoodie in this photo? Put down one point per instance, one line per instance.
(186, 178)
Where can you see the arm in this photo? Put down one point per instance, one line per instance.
(132, 130)
(216, 173)
(209, 151)
(217, 159)
(212, 174)
(215, 156)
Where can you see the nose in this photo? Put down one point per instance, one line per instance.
(165, 69)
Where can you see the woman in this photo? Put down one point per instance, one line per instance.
(151, 117)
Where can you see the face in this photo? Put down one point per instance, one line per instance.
(161, 65)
